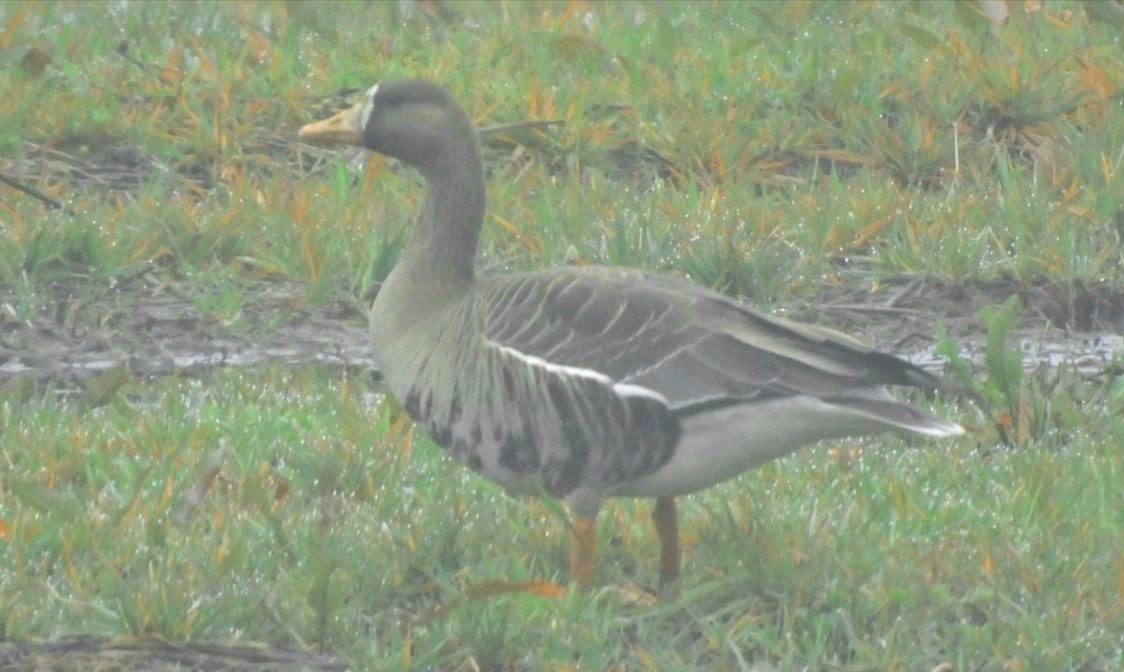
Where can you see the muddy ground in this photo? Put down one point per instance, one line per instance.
(145, 325)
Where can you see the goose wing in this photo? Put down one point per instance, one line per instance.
(695, 348)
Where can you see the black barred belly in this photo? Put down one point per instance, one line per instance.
(509, 458)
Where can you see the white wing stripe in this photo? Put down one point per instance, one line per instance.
(532, 360)
(623, 389)
(631, 390)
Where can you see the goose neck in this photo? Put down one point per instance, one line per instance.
(444, 239)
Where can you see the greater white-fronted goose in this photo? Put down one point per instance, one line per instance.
(590, 382)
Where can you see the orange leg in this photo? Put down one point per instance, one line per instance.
(583, 542)
(666, 519)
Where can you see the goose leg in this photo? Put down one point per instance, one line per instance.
(666, 520)
(583, 542)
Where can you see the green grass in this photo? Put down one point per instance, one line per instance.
(748, 146)
(916, 137)
(258, 505)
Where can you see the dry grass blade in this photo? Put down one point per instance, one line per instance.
(35, 193)
(487, 589)
(137, 654)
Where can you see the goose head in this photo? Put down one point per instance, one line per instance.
(414, 121)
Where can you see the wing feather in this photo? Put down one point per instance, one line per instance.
(692, 346)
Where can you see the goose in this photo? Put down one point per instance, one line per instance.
(584, 383)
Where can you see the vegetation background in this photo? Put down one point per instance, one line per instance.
(897, 168)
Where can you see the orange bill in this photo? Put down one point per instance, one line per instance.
(342, 128)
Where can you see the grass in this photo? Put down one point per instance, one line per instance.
(287, 503)
(770, 151)
(921, 137)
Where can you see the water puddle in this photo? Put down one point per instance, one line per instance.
(1084, 353)
(157, 335)
(1087, 354)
